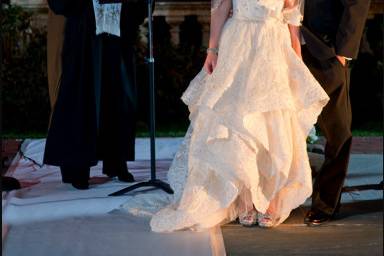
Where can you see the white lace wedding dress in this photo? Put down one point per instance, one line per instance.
(249, 121)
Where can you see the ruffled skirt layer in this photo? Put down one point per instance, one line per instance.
(247, 139)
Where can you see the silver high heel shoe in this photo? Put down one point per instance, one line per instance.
(248, 219)
(265, 220)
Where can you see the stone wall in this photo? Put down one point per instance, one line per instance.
(174, 11)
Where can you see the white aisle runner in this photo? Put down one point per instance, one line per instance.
(52, 218)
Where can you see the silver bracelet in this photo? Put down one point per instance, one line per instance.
(213, 50)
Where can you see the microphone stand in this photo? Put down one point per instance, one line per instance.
(153, 182)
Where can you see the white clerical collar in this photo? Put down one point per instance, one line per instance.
(107, 18)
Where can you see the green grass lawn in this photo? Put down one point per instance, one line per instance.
(169, 130)
(163, 132)
(40, 135)
(371, 129)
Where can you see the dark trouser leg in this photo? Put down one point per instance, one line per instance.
(117, 116)
(335, 123)
(330, 180)
(77, 176)
(66, 174)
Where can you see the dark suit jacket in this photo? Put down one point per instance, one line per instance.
(334, 27)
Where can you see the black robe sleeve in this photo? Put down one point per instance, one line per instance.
(351, 27)
(67, 7)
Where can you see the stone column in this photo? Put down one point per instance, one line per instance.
(176, 11)
(205, 21)
(174, 22)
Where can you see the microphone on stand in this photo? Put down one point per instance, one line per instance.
(153, 182)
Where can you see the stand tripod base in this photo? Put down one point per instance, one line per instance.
(151, 183)
(379, 186)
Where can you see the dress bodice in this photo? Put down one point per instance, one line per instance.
(257, 9)
(261, 10)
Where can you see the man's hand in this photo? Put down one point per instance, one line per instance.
(210, 62)
(342, 60)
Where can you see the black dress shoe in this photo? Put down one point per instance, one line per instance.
(77, 176)
(81, 181)
(119, 169)
(316, 218)
(66, 176)
(80, 184)
(126, 177)
(112, 168)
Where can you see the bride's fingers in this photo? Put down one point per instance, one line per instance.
(208, 68)
(214, 63)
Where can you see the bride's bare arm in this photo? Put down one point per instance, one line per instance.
(219, 16)
(294, 30)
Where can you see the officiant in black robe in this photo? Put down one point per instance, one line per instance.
(94, 116)
(332, 30)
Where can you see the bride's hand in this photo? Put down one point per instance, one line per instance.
(210, 62)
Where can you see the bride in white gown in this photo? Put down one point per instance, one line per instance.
(251, 109)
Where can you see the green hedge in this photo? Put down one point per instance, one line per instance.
(23, 73)
(24, 76)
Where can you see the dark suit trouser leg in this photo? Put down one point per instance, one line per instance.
(70, 174)
(335, 123)
(117, 122)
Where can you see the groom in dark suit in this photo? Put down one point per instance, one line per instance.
(332, 30)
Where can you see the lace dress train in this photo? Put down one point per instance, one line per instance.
(246, 145)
